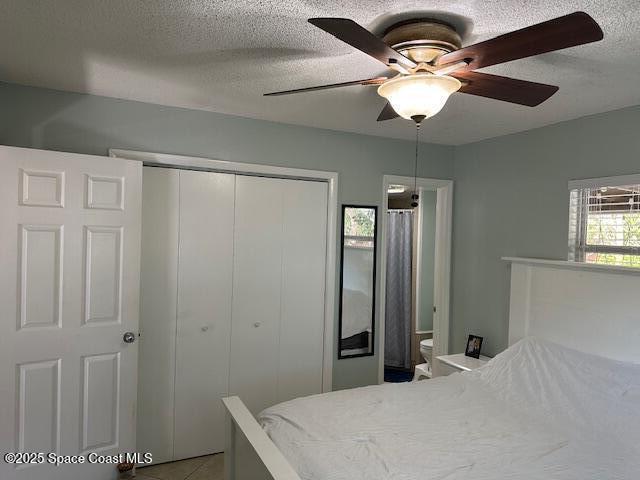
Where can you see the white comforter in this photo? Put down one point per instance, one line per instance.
(537, 411)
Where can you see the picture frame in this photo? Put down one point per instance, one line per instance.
(474, 344)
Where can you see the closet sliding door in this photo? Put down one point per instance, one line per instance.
(185, 321)
(304, 247)
(256, 288)
(278, 290)
(158, 297)
(205, 270)
(233, 278)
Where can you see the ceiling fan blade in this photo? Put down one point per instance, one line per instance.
(563, 32)
(506, 89)
(387, 113)
(366, 81)
(359, 37)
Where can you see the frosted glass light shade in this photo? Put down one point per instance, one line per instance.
(418, 94)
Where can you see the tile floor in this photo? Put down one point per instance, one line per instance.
(210, 467)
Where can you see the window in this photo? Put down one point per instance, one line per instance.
(605, 221)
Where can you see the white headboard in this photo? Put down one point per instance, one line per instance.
(592, 308)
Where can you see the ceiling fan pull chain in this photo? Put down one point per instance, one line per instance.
(415, 196)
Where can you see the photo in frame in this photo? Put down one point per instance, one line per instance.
(474, 344)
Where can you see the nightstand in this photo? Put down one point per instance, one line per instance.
(448, 364)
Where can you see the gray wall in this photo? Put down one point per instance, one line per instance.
(428, 200)
(511, 199)
(511, 195)
(47, 119)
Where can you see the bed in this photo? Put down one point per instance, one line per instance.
(544, 408)
(536, 411)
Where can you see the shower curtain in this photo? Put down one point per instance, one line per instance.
(397, 329)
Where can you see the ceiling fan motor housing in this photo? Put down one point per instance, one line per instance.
(423, 40)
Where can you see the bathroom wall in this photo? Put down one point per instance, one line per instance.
(427, 259)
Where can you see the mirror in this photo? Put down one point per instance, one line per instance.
(357, 281)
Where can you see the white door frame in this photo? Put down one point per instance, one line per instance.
(442, 274)
(331, 178)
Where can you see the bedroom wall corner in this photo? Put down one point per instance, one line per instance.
(512, 199)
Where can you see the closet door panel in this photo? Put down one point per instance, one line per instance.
(158, 297)
(256, 291)
(303, 284)
(204, 311)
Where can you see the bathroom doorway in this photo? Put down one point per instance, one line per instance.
(415, 252)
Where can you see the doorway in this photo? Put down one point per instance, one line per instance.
(415, 274)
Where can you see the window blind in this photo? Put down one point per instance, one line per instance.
(605, 224)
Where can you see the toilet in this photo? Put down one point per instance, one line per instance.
(426, 347)
(424, 369)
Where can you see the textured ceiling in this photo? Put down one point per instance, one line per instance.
(222, 55)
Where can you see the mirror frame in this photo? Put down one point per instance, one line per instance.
(373, 290)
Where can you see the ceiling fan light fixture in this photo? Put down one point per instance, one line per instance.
(419, 94)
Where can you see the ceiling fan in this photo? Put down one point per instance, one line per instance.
(430, 64)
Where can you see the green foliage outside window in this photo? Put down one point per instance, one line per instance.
(614, 229)
(359, 222)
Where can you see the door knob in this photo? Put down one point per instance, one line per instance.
(256, 325)
(129, 337)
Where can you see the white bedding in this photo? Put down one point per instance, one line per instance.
(536, 411)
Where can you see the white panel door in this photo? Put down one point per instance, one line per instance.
(204, 311)
(158, 299)
(69, 281)
(278, 293)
